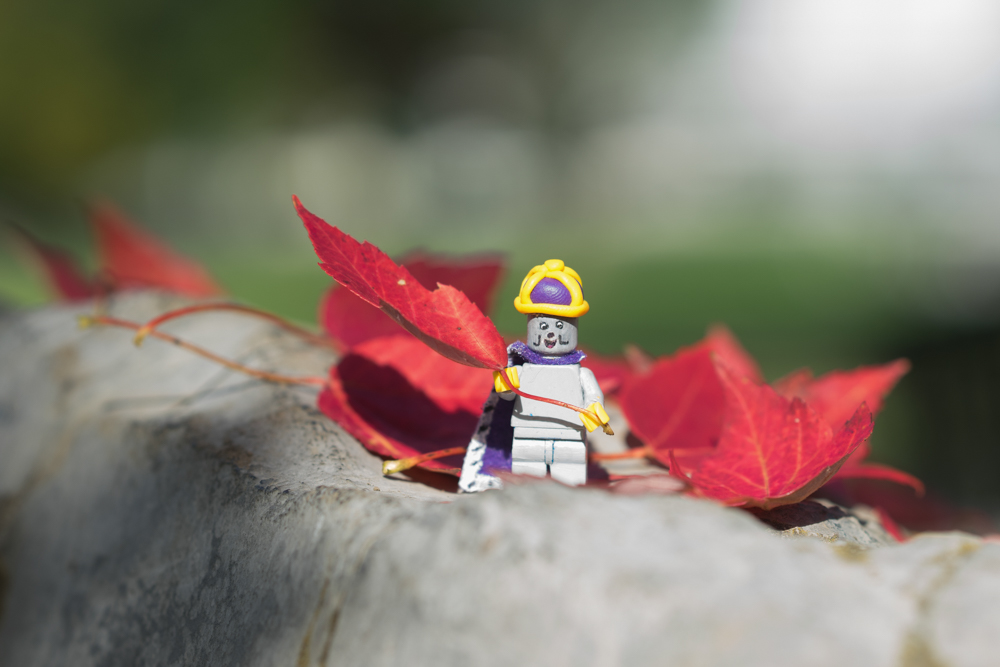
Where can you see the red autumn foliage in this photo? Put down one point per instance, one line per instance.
(451, 386)
(678, 401)
(133, 258)
(400, 398)
(837, 393)
(350, 320)
(772, 451)
(705, 410)
(682, 410)
(444, 319)
(129, 258)
(678, 404)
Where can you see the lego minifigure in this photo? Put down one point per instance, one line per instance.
(532, 437)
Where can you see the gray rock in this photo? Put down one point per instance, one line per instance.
(828, 521)
(158, 510)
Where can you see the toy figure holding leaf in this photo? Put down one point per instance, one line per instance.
(518, 432)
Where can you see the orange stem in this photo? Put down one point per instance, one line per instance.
(636, 453)
(569, 406)
(86, 321)
(399, 465)
(147, 328)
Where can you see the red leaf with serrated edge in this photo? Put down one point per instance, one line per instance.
(133, 258)
(729, 351)
(678, 404)
(444, 319)
(64, 277)
(377, 403)
(335, 404)
(837, 395)
(773, 451)
(350, 320)
(451, 386)
(476, 276)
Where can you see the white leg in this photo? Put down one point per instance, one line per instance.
(569, 462)
(533, 468)
(528, 457)
(570, 474)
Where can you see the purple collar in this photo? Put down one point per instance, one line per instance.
(519, 349)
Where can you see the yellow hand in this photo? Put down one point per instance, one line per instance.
(590, 422)
(512, 380)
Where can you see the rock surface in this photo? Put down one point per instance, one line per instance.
(158, 510)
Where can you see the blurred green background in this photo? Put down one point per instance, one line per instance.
(822, 177)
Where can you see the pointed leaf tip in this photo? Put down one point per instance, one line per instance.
(444, 318)
(837, 394)
(727, 349)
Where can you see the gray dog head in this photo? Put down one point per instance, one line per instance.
(552, 336)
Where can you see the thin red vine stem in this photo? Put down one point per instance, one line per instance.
(583, 411)
(637, 453)
(86, 321)
(150, 326)
(399, 465)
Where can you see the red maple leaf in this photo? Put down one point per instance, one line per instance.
(129, 258)
(837, 394)
(772, 451)
(350, 320)
(399, 398)
(444, 319)
(678, 404)
(450, 385)
(678, 410)
(133, 258)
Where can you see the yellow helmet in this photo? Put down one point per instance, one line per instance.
(552, 289)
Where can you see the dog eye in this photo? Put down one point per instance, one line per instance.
(543, 326)
(559, 325)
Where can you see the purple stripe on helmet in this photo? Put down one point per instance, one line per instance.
(550, 290)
